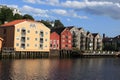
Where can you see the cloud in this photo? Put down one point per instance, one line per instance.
(105, 8)
(34, 11)
(47, 2)
(30, 1)
(109, 8)
(69, 13)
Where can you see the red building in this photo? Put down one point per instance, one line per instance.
(54, 41)
(65, 37)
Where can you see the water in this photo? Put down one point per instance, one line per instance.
(61, 69)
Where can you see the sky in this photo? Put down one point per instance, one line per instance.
(96, 16)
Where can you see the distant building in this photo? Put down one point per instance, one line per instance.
(82, 38)
(25, 36)
(65, 38)
(54, 41)
(75, 37)
(89, 41)
(97, 41)
(111, 43)
(15, 10)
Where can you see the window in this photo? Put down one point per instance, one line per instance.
(35, 45)
(28, 38)
(66, 46)
(41, 40)
(28, 31)
(50, 45)
(41, 34)
(23, 46)
(45, 39)
(18, 30)
(41, 46)
(35, 39)
(17, 44)
(36, 32)
(27, 45)
(54, 46)
(46, 46)
(46, 33)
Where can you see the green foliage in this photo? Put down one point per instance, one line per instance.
(58, 23)
(17, 16)
(46, 23)
(27, 16)
(6, 14)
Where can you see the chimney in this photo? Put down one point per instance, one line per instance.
(104, 35)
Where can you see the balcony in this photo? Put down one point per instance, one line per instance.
(41, 40)
(41, 46)
(22, 39)
(23, 46)
(41, 34)
(23, 33)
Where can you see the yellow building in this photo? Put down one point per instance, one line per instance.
(25, 35)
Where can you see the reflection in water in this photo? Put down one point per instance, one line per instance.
(61, 69)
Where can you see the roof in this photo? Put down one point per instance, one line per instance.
(70, 27)
(117, 37)
(58, 30)
(12, 23)
(94, 34)
(79, 28)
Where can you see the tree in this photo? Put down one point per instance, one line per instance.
(27, 16)
(46, 23)
(17, 16)
(6, 14)
(58, 23)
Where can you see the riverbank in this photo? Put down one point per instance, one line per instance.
(59, 54)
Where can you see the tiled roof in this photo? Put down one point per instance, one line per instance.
(58, 30)
(12, 23)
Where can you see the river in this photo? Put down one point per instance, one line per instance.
(60, 69)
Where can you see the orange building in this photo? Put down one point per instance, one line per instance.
(25, 35)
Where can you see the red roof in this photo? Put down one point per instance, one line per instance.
(12, 23)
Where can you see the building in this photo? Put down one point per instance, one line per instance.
(15, 10)
(111, 43)
(89, 41)
(54, 41)
(75, 37)
(25, 36)
(82, 38)
(65, 42)
(97, 41)
(1, 40)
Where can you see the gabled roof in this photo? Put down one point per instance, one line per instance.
(88, 32)
(12, 23)
(70, 27)
(117, 36)
(79, 28)
(94, 34)
(58, 30)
